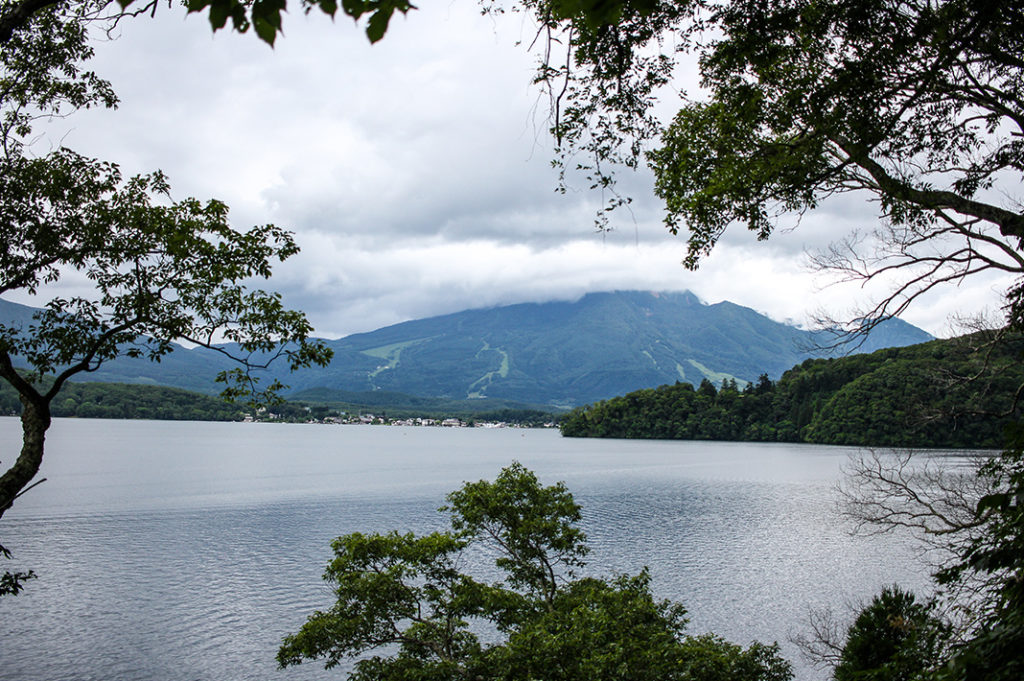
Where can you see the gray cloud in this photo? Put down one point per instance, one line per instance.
(415, 173)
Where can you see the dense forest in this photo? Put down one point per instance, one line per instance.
(957, 393)
(120, 401)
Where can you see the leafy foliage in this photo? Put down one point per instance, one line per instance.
(894, 638)
(914, 104)
(160, 272)
(534, 526)
(918, 396)
(404, 609)
(264, 16)
(13, 583)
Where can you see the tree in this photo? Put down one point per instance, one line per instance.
(915, 104)
(404, 610)
(160, 270)
(994, 557)
(894, 638)
(971, 524)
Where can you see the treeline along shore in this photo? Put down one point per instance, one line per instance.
(956, 393)
(124, 401)
(133, 401)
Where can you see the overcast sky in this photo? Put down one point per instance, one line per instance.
(416, 173)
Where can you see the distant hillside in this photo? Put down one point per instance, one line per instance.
(912, 396)
(188, 369)
(557, 353)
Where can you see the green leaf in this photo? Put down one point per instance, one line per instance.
(377, 26)
(265, 30)
(220, 10)
(328, 7)
(354, 8)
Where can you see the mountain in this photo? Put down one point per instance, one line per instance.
(557, 353)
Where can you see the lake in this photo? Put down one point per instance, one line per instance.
(181, 551)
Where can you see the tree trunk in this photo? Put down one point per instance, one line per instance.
(35, 420)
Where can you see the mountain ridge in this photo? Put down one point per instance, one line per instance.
(561, 353)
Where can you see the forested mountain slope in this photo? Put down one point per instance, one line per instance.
(945, 393)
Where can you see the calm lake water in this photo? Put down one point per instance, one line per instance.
(186, 551)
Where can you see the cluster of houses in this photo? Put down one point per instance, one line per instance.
(372, 419)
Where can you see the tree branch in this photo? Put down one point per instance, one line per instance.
(19, 15)
(1009, 223)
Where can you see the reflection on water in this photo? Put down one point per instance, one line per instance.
(182, 551)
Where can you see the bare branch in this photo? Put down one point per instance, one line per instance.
(822, 645)
(935, 501)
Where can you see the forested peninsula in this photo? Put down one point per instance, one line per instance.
(957, 393)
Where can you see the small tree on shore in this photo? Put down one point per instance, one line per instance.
(404, 608)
